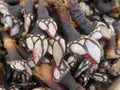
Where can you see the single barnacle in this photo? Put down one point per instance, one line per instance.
(96, 30)
(9, 21)
(99, 77)
(14, 59)
(57, 48)
(28, 10)
(45, 22)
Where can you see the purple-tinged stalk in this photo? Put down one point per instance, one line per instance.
(111, 49)
(28, 10)
(14, 59)
(45, 22)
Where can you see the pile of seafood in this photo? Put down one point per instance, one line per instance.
(59, 44)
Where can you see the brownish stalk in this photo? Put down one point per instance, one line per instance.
(117, 29)
(45, 73)
(111, 48)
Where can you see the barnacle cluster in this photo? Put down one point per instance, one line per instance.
(59, 44)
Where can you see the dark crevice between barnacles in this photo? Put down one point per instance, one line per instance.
(12, 2)
(3, 79)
